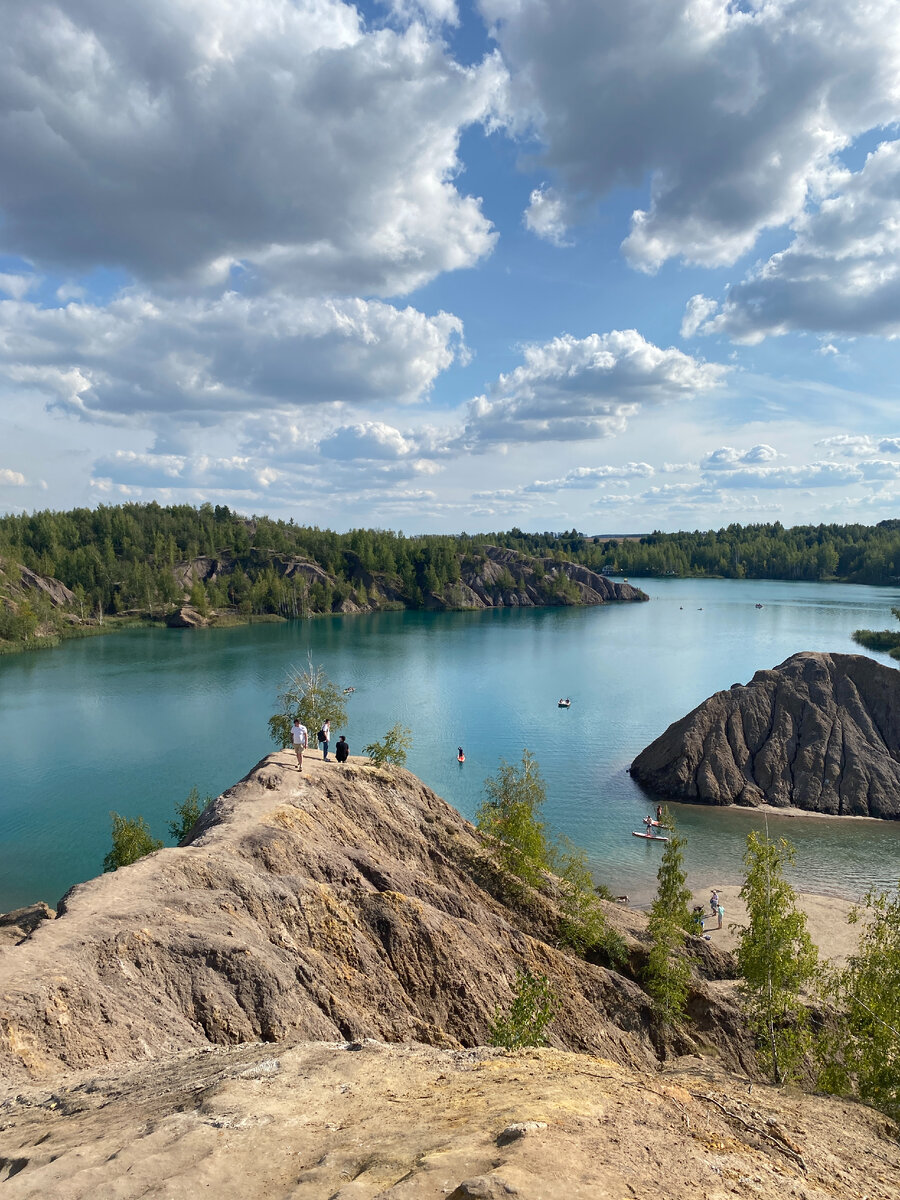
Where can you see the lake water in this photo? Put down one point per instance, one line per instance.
(132, 721)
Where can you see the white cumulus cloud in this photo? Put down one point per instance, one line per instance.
(733, 111)
(184, 138)
(571, 389)
(841, 272)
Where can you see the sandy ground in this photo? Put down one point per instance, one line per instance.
(826, 921)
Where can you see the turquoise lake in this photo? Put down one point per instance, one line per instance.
(132, 721)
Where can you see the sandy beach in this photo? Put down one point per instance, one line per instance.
(826, 920)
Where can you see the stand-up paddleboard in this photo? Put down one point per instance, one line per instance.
(650, 837)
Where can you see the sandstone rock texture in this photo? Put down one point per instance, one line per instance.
(332, 904)
(293, 1004)
(369, 1121)
(820, 732)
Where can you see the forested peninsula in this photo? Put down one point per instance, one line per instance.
(84, 571)
(87, 571)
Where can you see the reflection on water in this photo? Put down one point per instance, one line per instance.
(131, 722)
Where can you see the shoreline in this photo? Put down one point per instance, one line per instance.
(826, 920)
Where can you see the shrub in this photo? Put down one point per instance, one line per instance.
(533, 1007)
(510, 819)
(131, 840)
(865, 1048)
(392, 748)
(187, 814)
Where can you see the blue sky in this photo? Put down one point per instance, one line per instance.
(441, 266)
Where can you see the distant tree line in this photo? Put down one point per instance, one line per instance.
(125, 558)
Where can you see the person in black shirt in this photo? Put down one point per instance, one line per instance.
(342, 749)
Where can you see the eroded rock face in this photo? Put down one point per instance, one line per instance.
(820, 732)
(375, 1122)
(340, 903)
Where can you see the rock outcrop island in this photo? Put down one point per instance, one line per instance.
(820, 732)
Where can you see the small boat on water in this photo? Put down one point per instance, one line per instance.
(650, 837)
(567, 703)
(759, 605)
(349, 691)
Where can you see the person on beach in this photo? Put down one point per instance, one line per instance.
(324, 737)
(342, 749)
(720, 913)
(300, 738)
(697, 919)
(714, 902)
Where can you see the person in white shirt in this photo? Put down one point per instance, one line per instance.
(325, 738)
(300, 738)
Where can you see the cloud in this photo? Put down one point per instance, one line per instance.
(185, 139)
(697, 312)
(10, 478)
(814, 475)
(17, 286)
(572, 389)
(841, 272)
(726, 457)
(200, 360)
(849, 445)
(589, 477)
(370, 439)
(732, 111)
(546, 217)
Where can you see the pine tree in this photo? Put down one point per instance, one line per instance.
(668, 973)
(776, 957)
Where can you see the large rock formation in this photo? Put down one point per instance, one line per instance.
(340, 903)
(199, 1023)
(819, 732)
(491, 577)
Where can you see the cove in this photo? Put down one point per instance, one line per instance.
(132, 721)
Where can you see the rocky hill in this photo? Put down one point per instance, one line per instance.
(294, 1004)
(333, 904)
(820, 732)
(493, 577)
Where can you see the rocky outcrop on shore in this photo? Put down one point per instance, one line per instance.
(820, 732)
(340, 903)
(492, 577)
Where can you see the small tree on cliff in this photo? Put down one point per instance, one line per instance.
(131, 840)
(392, 748)
(776, 957)
(187, 814)
(668, 973)
(510, 819)
(310, 695)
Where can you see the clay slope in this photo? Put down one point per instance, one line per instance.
(819, 732)
(337, 904)
(376, 1122)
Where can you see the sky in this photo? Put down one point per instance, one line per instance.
(444, 265)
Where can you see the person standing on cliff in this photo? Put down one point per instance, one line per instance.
(324, 737)
(300, 738)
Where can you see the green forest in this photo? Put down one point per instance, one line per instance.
(143, 560)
